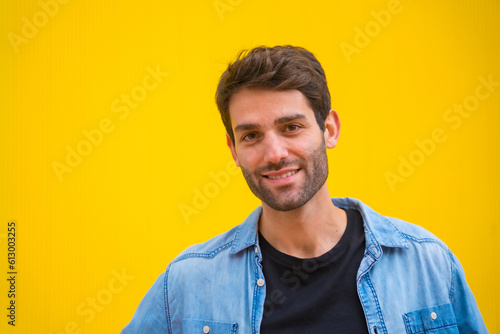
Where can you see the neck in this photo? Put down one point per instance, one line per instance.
(306, 232)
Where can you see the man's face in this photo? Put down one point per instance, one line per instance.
(279, 146)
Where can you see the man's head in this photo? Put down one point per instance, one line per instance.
(275, 105)
(278, 68)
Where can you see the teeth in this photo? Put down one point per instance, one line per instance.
(282, 175)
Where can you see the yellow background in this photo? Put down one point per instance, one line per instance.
(118, 210)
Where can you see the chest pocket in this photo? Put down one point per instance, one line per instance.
(195, 326)
(438, 319)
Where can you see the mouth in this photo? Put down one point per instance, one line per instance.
(281, 175)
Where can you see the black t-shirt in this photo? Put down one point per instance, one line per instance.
(316, 295)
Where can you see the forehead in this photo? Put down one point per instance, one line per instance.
(258, 106)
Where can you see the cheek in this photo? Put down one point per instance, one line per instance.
(304, 149)
(244, 158)
(248, 158)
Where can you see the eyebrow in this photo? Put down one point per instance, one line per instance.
(278, 121)
(289, 118)
(246, 127)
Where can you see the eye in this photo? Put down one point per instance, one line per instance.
(292, 127)
(249, 136)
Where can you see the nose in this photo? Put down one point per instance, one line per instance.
(275, 149)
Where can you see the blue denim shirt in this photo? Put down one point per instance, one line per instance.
(408, 282)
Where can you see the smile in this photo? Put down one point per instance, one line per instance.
(282, 176)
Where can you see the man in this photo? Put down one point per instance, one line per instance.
(303, 262)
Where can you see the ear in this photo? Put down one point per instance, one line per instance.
(233, 151)
(332, 129)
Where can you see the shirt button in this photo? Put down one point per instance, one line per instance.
(260, 282)
(434, 316)
(256, 250)
(206, 329)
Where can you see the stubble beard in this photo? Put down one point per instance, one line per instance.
(286, 199)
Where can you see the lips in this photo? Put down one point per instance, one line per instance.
(281, 174)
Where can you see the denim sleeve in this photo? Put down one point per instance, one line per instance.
(150, 315)
(469, 319)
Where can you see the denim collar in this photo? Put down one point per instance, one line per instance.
(379, 230)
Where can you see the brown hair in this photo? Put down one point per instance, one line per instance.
(277, 68)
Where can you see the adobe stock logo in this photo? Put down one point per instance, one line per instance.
(40, 19)
(454, 117)
(120, 106)
(372, 29)
(202, 196)
(93, 305)
(293, 279)
(223, 6)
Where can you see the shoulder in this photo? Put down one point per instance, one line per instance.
(233, 241)
(209, 248)
(423, 247)
(413, 232)
(389, 231)
(407, 245)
